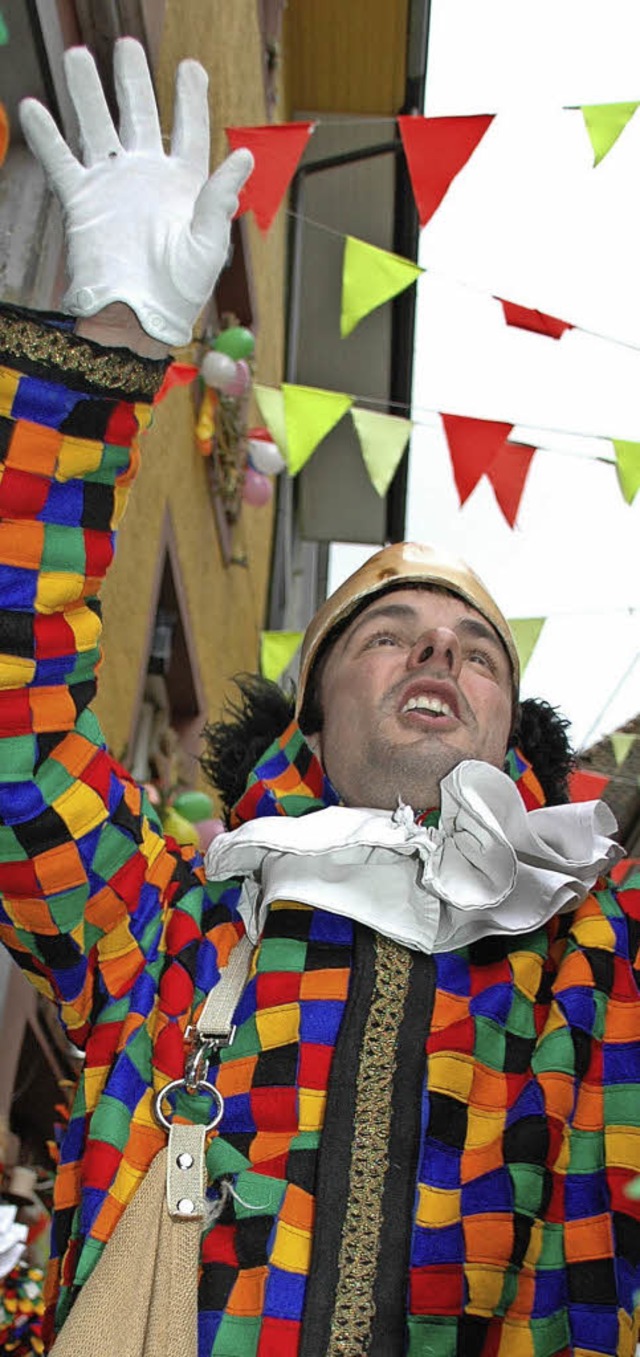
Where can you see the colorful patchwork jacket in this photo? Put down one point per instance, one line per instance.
(428, 1155)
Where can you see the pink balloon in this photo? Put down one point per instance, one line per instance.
(208, 830)
(257, 489)
(239, 383)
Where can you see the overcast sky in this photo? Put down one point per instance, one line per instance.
(529, 219)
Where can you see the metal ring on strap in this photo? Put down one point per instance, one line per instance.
(202, 1085)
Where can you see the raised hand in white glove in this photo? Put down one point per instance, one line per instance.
(142, 227)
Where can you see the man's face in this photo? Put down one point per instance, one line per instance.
(418, 682)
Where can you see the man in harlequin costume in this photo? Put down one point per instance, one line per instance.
(431, 1113)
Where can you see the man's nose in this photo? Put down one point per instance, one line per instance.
(439, 648)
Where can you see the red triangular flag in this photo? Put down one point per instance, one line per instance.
(276, 150)
(538, 321)
(474, 445)
(585, 786)
(436, 150)
(508, 473)
(177, 374)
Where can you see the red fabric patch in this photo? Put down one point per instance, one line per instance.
(555, 1211)
(281, 987)
(97, 775)
(127, 881)
(182, 930)
(123, 425)
(537, 321)
(278, 1337)
(219, 1246)
(275, 1109)
(103, 1043)
(19, 878)
(457, 1036)
(15, 712)
(276, 151)
(53, 636)
(436, 1290)
(176, 991)
(315, 1064)
(98, 550)
(436, 150)
(168, 1051)
(100, 1163)
(22, 495)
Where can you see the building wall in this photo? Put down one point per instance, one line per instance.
(347, 58)
(225, 603)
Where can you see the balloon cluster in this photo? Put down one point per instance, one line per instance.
(226, 371)
(190, 820)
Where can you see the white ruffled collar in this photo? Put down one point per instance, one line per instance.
(490, 867)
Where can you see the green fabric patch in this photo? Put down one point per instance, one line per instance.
(282, 954)
(67, 908)
(259, 1194)
(113, 850)
(222, 1158)
(18, 757)
(63, 550)
(489, 1045)
(10, 849)
(245, 1042)
(114, 459)
(111, 1122)
(554, 1053)
(432, 1337)
(520, 1021)
(238, 1336)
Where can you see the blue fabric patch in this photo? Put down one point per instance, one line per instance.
(453, 973)
(332, 928)
(529, 1103)
(594, 1327)
(284, 1294)
(440, 1165)
(17, 587)
(578, 1005)
(320, 1020)
(64, 504)
(44, 402)
(551, 1293)
(621, 1062)
(237, 1114)
(20, 801)
(492, 1192)
(445, 1245)
(494, 1002)
(586, 1195)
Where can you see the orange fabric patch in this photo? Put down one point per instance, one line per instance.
(297, 1208)
(622, 1021)
(324, 984)
(489, 1088)
(588, 1239)
(51, 709)
(234, 1076)
(488, 1238)
(589, 1114)
(247, 1293)
(59, 868)
(32, 915)
(268, 1145)
(21, 544)
(34, 448)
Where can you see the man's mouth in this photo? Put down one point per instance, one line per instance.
(435, 706)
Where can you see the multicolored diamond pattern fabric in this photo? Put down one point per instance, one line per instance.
(524, 1242)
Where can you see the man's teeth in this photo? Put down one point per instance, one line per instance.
(432, 704)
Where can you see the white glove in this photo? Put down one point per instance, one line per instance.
(144, 228)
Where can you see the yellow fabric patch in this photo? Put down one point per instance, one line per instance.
(78, 457)
(516, 1341)
(438, 1206)
(8, 386)
(56, 589)
(16, 672)
(311, 1105)
(622, 1145)
(595, 932)
(485, 1289)
(451, 1074)
(81, 809)
(86, 627)
(292, 1248)
(278, 1026)
(527, 970)
(483, 1127)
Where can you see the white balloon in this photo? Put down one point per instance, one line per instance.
(266, 457)
(218, 370)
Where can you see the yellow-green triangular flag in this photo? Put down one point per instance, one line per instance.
(310, 415)
(277, 649)
(270, 402)
(383, 439)
(604, 123)
(526, 631)
(628, 464)
(371, 276)
(621, 745)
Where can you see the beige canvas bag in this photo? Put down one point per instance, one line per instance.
(141, 1299)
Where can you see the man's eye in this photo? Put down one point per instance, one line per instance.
(483, 658)
(381, 638)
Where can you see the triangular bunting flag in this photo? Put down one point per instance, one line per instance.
(537, 321)
(371, 276)
(586, 786)
(526, 632)
(383, 439)
(276, 151)
(277, 649)
(270, 402)
(436, 150)
(622, 744)
(508, 473)
(177, 374)
(628, 466)
(310, 415)
(474, 444)
(604, 123)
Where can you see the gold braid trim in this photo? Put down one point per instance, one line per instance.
(116, 371)
(354, 1307)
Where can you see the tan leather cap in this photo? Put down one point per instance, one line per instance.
(402, 563)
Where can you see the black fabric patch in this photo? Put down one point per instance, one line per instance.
(7, 427)
(276, 1068)
(302, 1169)
(125, 819)
(325, 956)
(447, 1120)
(216, 1284)
(82, 694)
(42, 832)
(521, 1236)
(601, 964)
(88, 419)
(592, 1283)
(213, 915)
(47, 742)
(627, 1237)
(97, 506)
(527, 1141)
(472, 1332)
(60, 953)
(518, 1052)
(252, 1234)
(582, 1050)
(289, 923)
(17, 634)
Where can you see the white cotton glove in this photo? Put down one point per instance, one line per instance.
(144, 228)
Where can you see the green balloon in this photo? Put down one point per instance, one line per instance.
(236, 342)
(194, 806)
